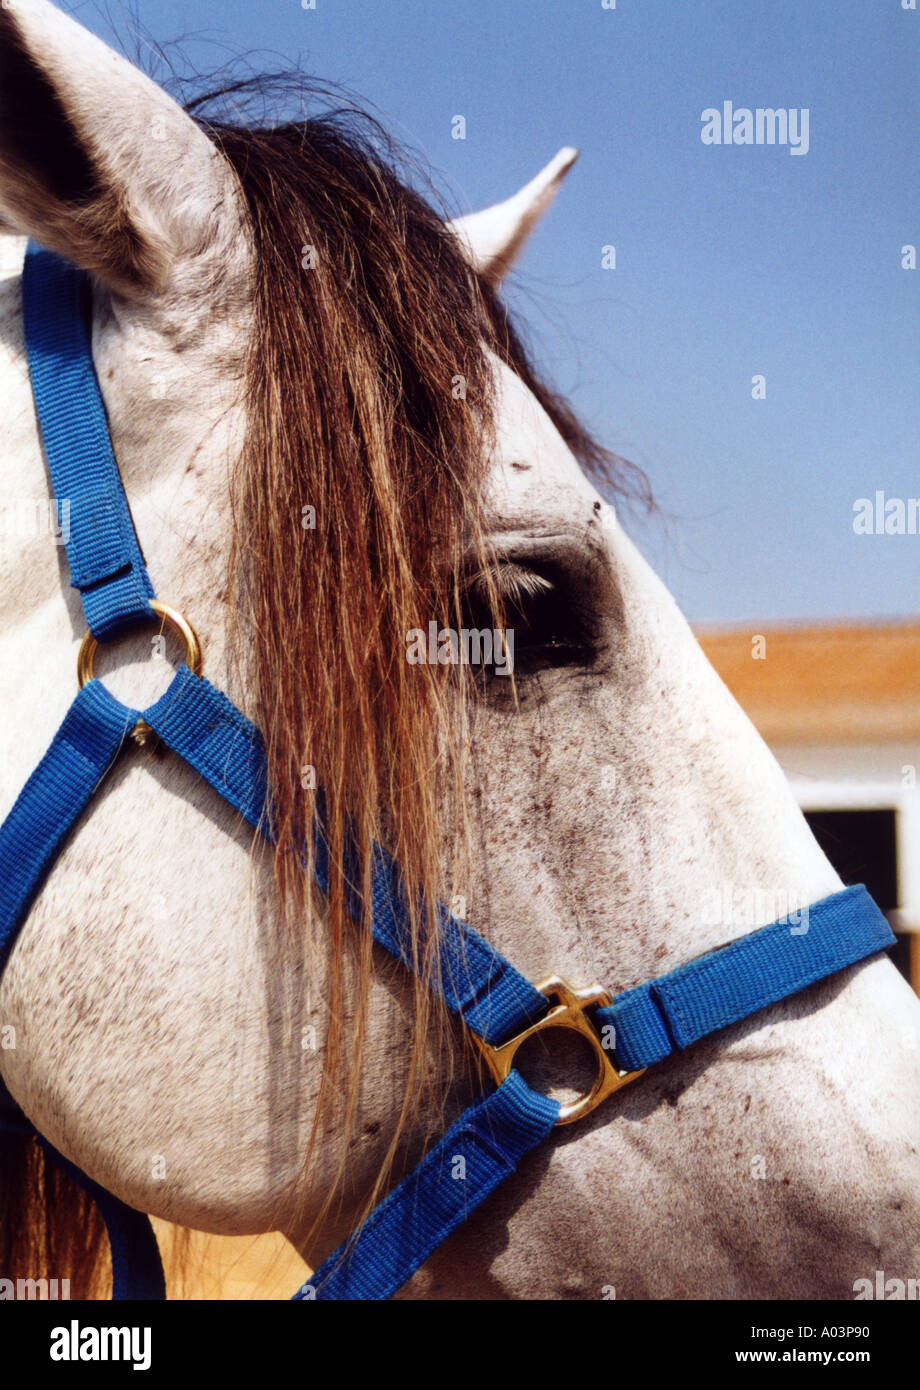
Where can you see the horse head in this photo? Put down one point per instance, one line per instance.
(343, 465)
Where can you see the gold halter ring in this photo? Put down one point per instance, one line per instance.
(172, 618)
(568, 1013)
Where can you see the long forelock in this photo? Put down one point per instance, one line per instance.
(371, 400)
(366, 320)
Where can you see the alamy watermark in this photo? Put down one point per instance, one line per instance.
(36, 518)
(890, 1290)
(78, 1343)
(471, 646)
(34, 1289)
(886, 516)
(763, 125)
(734, 905)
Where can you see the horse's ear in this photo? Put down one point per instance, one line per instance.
(493, 239)
(96, 161)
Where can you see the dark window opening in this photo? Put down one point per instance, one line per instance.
(862, 847)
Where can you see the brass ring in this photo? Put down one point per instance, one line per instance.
(568, 1013)
(171, 617)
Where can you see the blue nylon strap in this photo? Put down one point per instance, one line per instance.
(743, 977)
(200, 724)
(82, 751)
(476, 1154)
(105, 559)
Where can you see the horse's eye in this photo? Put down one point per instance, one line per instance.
(542, 623)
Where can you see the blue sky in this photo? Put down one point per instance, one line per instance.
(731, 261)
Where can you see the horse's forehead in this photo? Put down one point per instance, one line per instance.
(534, 469)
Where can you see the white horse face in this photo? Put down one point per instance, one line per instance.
(608, 807)
(626, 785)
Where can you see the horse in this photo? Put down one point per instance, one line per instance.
(330, 435)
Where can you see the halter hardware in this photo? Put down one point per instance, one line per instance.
(142, 733)
(568, 1013)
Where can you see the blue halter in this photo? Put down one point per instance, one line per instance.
(501, 1008)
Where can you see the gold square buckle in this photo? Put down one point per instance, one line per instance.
(568, 1013)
